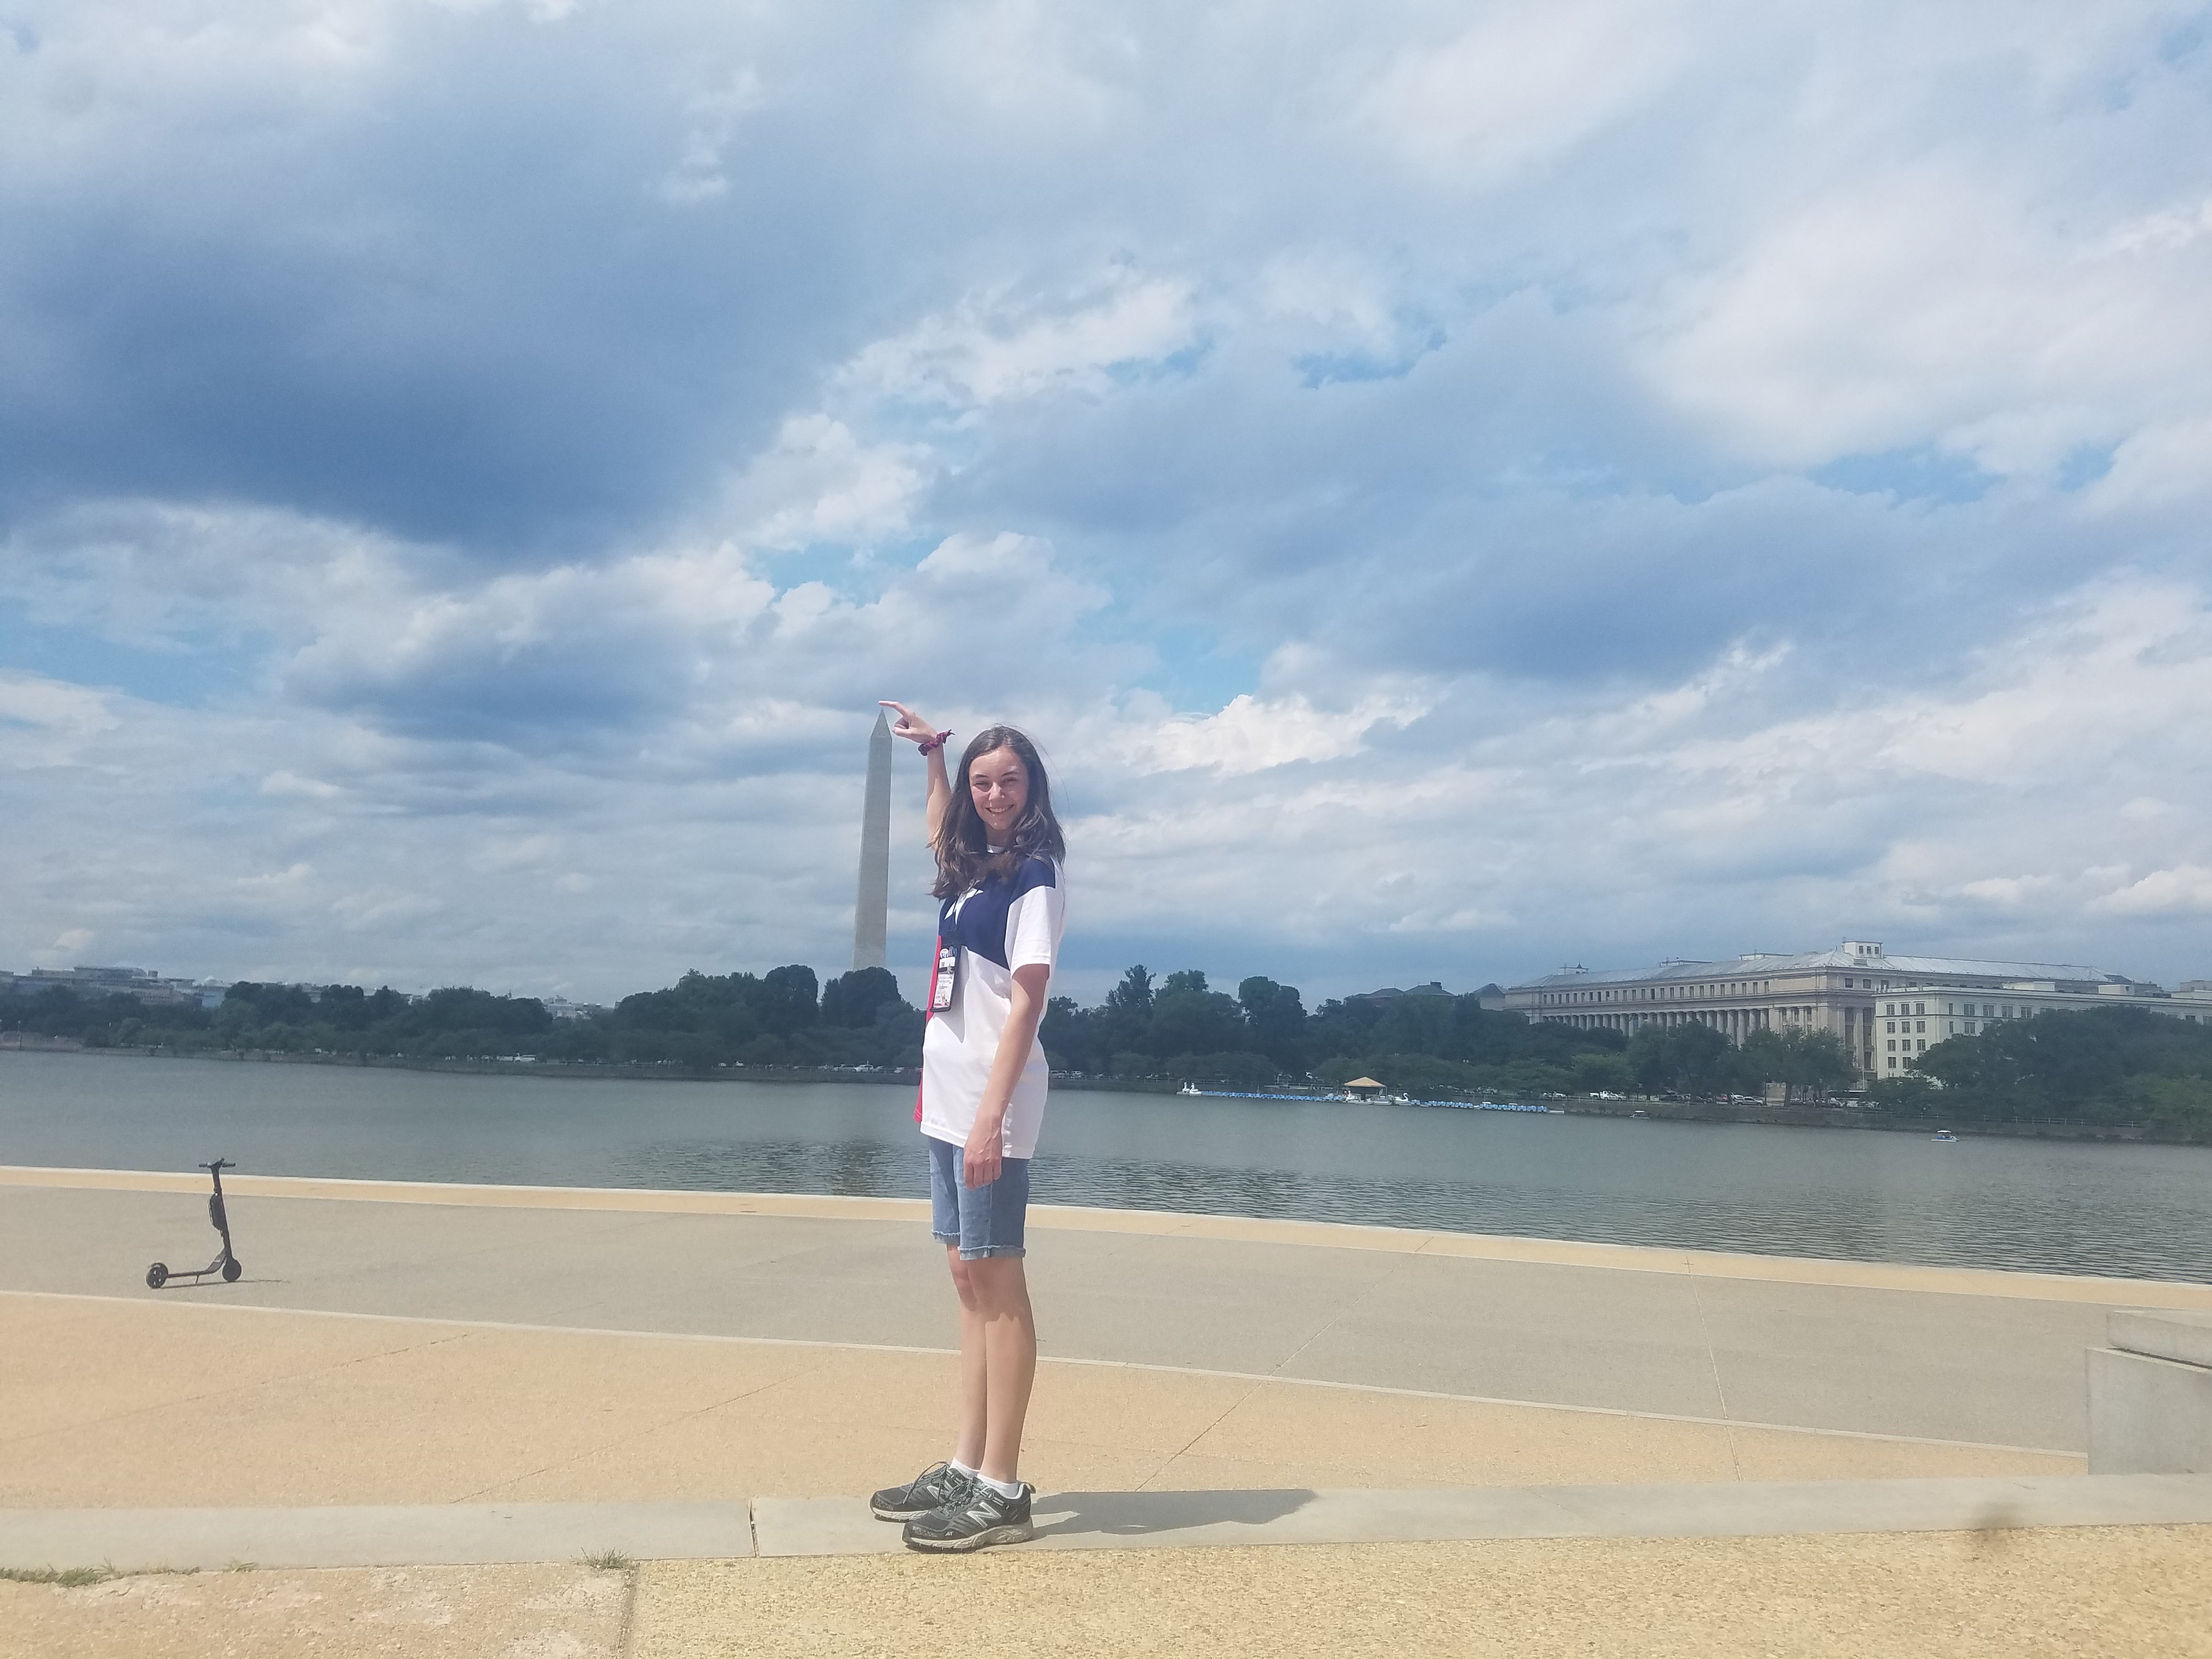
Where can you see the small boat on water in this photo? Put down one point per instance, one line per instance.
(1943, 1135)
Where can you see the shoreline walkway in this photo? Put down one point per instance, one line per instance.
(676, 1374)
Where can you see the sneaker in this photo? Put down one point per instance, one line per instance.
(978, 1518)
(935, 1487)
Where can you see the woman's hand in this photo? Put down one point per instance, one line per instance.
(918, 732)
(981, 1158)
(909, 725)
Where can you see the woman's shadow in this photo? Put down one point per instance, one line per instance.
(1136, 1514)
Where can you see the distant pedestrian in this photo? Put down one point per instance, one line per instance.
(984, 1083)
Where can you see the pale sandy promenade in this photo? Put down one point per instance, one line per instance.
(698, 1377)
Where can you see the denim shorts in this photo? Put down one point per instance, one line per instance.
(983, 1221)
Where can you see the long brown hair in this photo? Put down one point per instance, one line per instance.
(963, 841)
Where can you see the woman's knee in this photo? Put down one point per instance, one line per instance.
(963, 1276)
(999, 1285)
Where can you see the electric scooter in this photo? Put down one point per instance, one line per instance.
(225, 1263)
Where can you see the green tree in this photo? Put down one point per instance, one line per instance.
(1124, 1024)
(852, 999)
(787, 1000)
(1189, 1019)
(1275, 1020)
(1687, 1060)
(1071, 1035)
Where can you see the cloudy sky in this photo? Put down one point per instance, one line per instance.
(1455, 488)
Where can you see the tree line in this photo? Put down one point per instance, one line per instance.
(2104, 1065)
(783, 1018)
(1175, 1027)
(2098, 1066)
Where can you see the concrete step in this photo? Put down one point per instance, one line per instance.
(458, 1534)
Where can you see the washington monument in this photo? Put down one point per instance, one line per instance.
(872, 906)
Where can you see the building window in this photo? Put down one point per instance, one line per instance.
(1892, 1045)
(1892, 1062)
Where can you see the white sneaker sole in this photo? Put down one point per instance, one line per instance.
(1017, 1532)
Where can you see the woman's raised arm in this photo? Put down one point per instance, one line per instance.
(920, 732)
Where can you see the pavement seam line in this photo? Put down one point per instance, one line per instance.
(190, 1400)
(1221, 1417)
(1713, 1364)
(624, 1439)
(1337, 1318)
(1078, 1359)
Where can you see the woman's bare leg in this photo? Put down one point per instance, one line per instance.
(973, 1374)
(1000, 1291)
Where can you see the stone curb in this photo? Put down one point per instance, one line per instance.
(455, 1534)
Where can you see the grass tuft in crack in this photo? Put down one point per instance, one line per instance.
(78, 1577)
(67, 1577)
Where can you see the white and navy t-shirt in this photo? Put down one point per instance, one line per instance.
(1000, 926)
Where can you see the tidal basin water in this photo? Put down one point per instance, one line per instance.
(2136, 1211)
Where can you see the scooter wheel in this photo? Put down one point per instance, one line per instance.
(231, 1271)
(157, 1275)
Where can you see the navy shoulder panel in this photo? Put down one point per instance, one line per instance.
(981, 925)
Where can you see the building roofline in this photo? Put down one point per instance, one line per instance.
(1764, 963)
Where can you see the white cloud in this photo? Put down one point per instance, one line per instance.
(285, 783)
(45, 722)
(1940, 301)
(818, 482)
(2184, 890)
(1029, 65)
(994, 349)
(2164, 464)
(2166, 229)
(1521, 85)
(1254, 734)
(701, 172)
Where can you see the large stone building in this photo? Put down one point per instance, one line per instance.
(1885, 1009)
(143, 983)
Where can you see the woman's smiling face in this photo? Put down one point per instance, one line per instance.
(998, 784)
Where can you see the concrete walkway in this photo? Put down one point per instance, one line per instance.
(1959, 1356)
(673, 1375)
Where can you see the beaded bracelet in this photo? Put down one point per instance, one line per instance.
(931, 745)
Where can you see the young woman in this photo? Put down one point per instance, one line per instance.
(983, 1081)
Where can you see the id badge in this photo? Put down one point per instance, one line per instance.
(941, 981)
